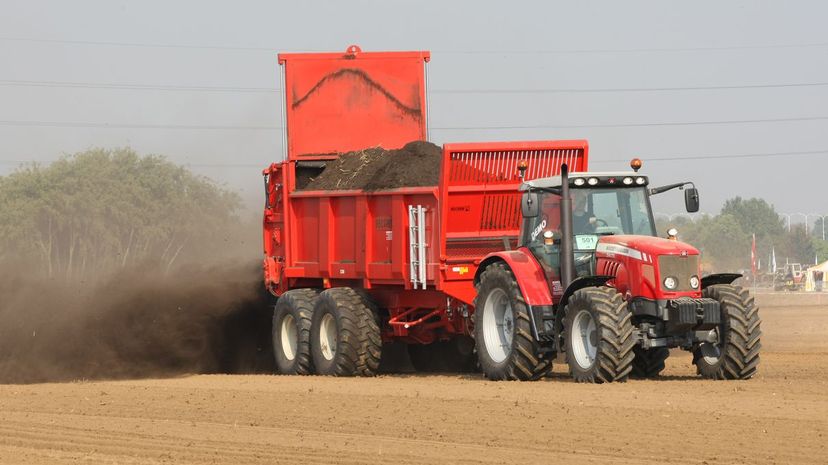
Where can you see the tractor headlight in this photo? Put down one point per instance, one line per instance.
(592, 181)
(694, 282)
(578, 181)
(670, 283)
(640, 181)
(628, 180)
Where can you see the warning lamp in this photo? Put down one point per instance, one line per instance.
(548, 238)
(672, 234)
(522, 165)
(352, 51)
(635, 164)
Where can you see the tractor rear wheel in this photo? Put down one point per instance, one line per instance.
(291, 332)
(599, 336)
(648, 363)
(736, 355)
(506, 348)
(345, 336)
(453, 356)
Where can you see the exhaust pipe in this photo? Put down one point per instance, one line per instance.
(567, 249)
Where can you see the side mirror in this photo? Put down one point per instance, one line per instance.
(691, 199)
(530, 205)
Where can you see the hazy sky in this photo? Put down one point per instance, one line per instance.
(66, 68)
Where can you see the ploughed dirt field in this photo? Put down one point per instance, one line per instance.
(781, 416)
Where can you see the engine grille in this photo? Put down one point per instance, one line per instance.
(679, 267)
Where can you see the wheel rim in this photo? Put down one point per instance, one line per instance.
(327, 336)
(498, 325)
(290, 341)
(583, 337)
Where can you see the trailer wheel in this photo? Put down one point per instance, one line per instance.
(506, 348)
(736, 355)
(291, 331)
(453, 356)
(345, 335)
(648, 363)
(599, 336)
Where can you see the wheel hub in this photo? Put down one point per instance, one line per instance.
(498, 325)
(288, 337)
(328, 336)
(584, 339)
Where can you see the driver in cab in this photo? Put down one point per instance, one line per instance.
(583, 222)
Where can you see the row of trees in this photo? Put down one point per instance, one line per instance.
(102, 209)
(725, 239)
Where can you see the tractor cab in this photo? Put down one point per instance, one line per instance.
(603, 204)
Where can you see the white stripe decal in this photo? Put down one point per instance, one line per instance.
(620, 250)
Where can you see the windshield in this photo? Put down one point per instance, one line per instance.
(596, 212)
(611, 211)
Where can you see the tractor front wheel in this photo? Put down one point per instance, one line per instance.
(345, 337)
(736, 355)
(599, 336)
(506, 349)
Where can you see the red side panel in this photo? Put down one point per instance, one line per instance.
(357, 238)
(480, 183)
(340, 102)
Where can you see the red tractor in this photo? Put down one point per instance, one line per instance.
(591, 280)
(508, 261)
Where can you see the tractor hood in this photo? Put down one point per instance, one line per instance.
(655, 246)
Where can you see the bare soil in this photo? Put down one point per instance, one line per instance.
(780, 416)
(416, 164)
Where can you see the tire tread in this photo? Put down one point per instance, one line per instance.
(740, 354)
(614, 360)
(523, 363)
(301, 301)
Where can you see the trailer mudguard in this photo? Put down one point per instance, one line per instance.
(528, 272)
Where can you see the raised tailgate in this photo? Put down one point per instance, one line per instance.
(340, 102)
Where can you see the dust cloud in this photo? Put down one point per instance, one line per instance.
(139, 322)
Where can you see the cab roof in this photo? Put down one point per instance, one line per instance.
(555, 181)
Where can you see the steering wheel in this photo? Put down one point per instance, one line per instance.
(601, 222)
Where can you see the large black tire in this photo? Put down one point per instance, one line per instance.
(612, 337)
(351, 343)
(648, 363)
(736, 356)
(291, 332)
(453, 356)
(513, 355)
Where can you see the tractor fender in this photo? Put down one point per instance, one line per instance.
(580, 283)
(719, 278)
(528, 272)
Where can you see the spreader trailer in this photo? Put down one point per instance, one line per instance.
(517, 255)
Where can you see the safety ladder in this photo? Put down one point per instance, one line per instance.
(417, 246)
